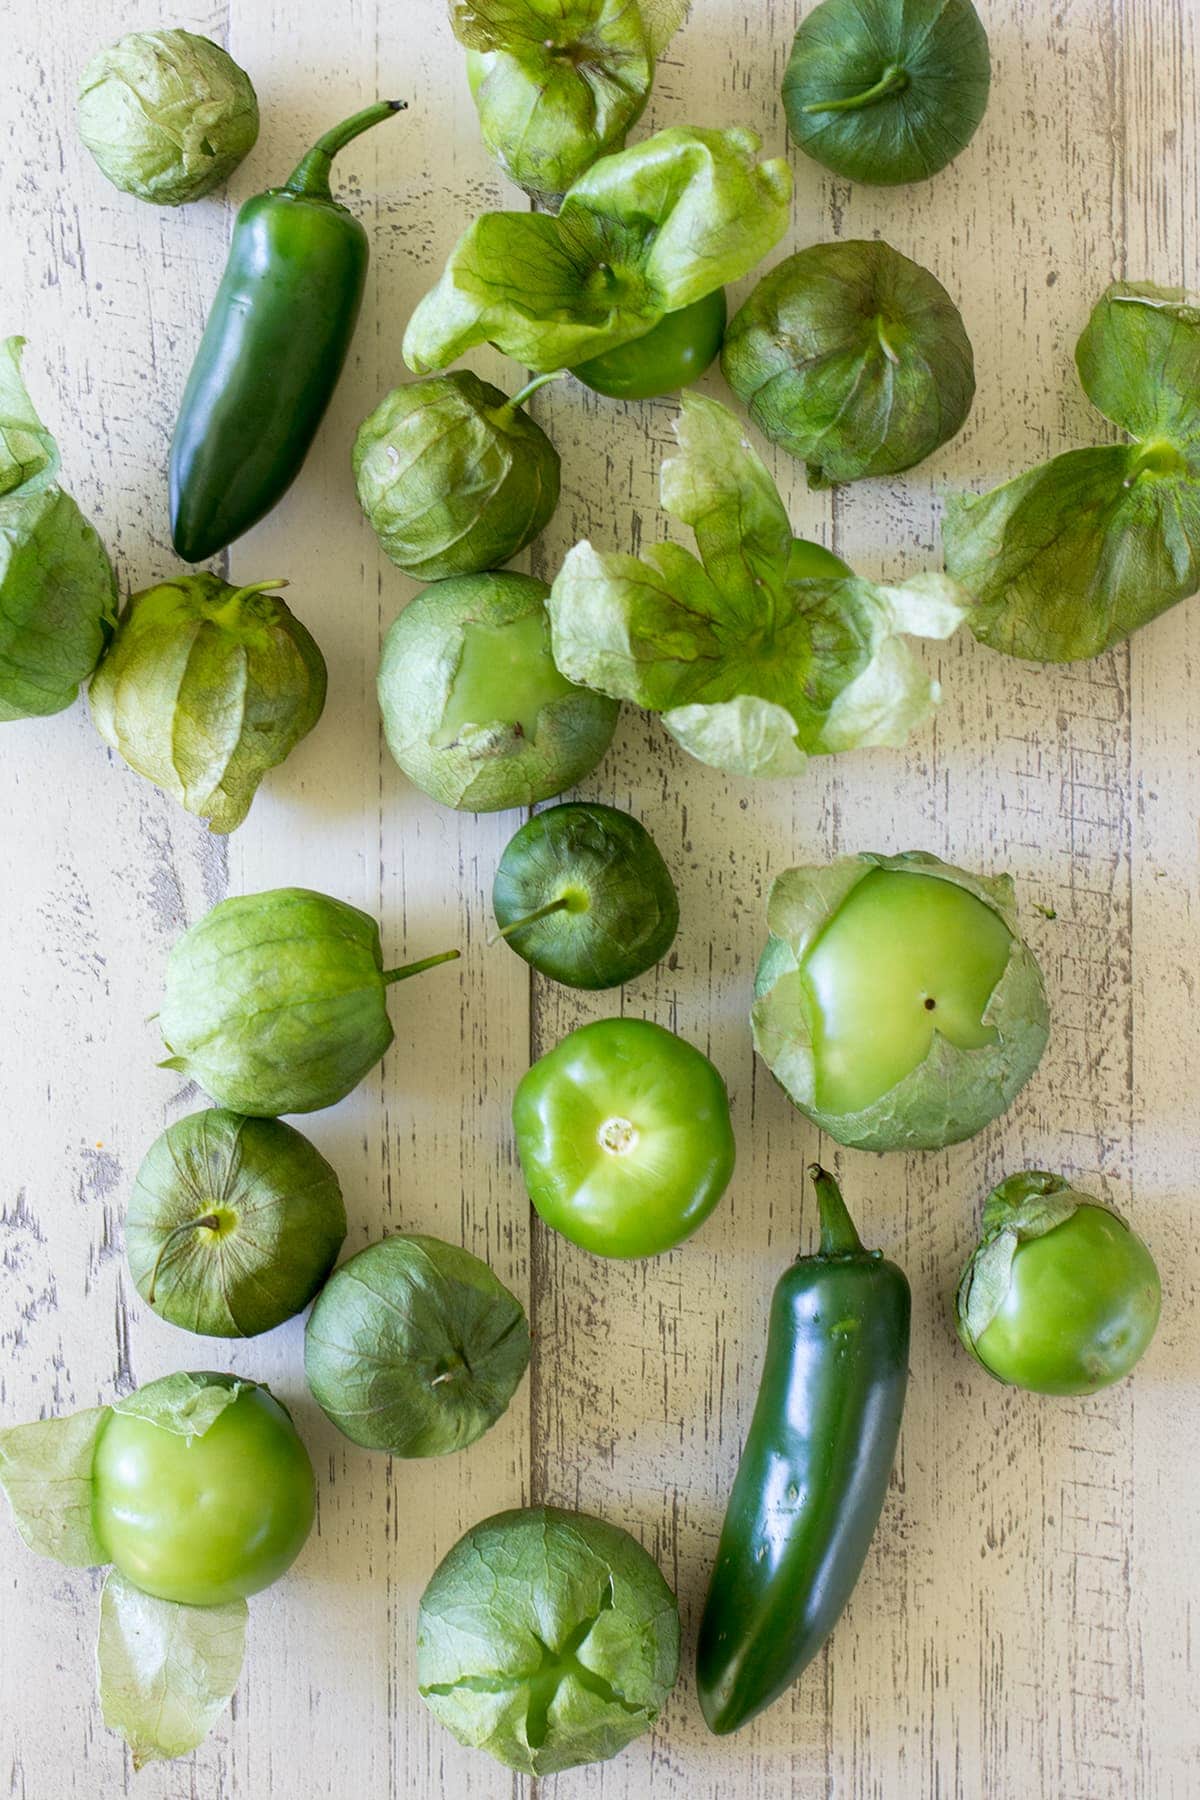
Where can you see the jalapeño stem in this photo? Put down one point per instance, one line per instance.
(206, 1219)
(418, 968)
(893, 81)
(838, 1236)
(310, 177)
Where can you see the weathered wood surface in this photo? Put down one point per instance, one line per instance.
(1027, 1622)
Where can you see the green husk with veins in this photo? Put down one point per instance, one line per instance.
(207, 687)
(453, 476)
(58, 596)
(641, 234)
(558, 83)
(955, 1089)
(1073, 556)
(764, 650)
(277, 1002)
(548, 1639)
(415, 1347)
(233, 1224)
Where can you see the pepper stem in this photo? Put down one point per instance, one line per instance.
(418, 968)
(838, 1236)
(543, 912)
(894, 80)
(531, 387)
(310, 177)
(209, 1219)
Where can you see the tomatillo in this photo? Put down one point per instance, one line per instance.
(233, 1224)
(1060, 1296)
(583, 895)
(625, 1138)
(474, 708)
(670, 356)
(198, 1508)
(896, 1002)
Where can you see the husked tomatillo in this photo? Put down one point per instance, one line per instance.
(896, 1002)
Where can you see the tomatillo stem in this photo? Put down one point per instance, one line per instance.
(893, 81)
(206, 1219)
(838, 1236)
(310, 177)
(543, 912)
(418, 968)
(531, 387)
(230, 608)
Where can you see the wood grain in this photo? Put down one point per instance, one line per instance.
(1027, 1622)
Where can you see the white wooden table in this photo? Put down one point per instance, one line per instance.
(1027, 1625)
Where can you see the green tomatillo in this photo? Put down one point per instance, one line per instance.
(168, 115)
(895, 1000)
(233, 1224)
(453, 476)
(582, 893)
(1060, 1296)
(205, 1505)
(887, 91)
(644, 233)
(624, 1136)
(671, 355)
(1068, 558)
(558, 83)
(548, 1639)
(415, 1347)
(277, 1002)
(762, 649)
(475, 710)
(205, 687)
(198, 1491)
(58, 595)
(853, 358)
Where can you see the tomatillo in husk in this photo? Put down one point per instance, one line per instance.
(415, 1347)
(474, 708)
(624, 1136)
(583, 895)
(887, 91)
(853, 358)
(168, 115)
(1060, 1296)
(548, 1639)
(895, 1000)
(58, 594)
(277, 1002)
(205, 687)
(453, 476)
(233, 1224)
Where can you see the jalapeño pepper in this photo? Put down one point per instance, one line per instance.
(272, 350)
(814, 1472)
